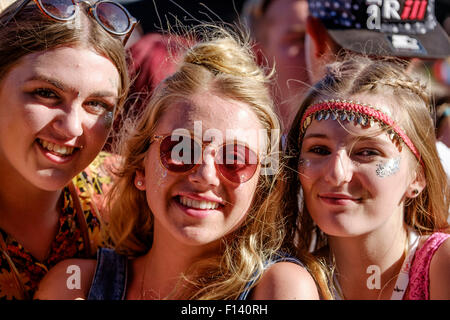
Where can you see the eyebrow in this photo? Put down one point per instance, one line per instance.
(315, 135)
(357, 138)
(61, 86)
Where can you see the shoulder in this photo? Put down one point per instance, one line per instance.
(69, 279)
(440, 272)
(286, 281)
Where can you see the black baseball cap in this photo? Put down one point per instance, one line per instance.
(400, 28)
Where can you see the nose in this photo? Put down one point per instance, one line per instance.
(339, 169)
(206, 173)
(69, 123)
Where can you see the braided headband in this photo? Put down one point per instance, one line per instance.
(362, 114)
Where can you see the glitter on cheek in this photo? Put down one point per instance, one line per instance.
(388, 168)
(109, 116)
(303, 164)
(162, 178)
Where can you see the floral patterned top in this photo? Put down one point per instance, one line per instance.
(90, 185)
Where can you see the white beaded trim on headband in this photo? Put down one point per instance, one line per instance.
(363, 114)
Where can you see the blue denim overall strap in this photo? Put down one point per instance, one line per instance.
(110, 279)
(280, 257)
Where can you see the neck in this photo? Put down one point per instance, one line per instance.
(26, 205)
(29, 215)
(367, 266)
(165, 265)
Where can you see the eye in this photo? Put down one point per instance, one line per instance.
(236, 154)
(368, 153)
(234, 158)
(44, 93)
(319, 150)
(98, 107)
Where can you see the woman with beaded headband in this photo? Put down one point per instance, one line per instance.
(365, 189)
(63, 77)
(200, 227)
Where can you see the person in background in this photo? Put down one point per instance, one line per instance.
(278, 28)
(373, 28)
(192, 214)
(55, 116)
(375, 197)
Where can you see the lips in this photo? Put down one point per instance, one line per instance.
(338, 198)
(57, 153)
(197, 206)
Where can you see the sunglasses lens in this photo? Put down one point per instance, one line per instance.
(237, 162)
(179, 153)
(60, 9)
(113, 17)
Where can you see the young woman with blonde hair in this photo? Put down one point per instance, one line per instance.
(366, 190)
(190, 216)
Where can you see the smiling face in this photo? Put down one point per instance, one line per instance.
(200, 206)
(354, 179)
(56, 110)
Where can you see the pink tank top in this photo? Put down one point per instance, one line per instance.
(419, 280)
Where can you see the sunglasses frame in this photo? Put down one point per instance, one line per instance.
(92, 12)
(160, 138)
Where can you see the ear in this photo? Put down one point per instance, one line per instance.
(139, 180)
(417, 185)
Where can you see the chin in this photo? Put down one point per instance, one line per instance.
(340, 227)
(195, 237)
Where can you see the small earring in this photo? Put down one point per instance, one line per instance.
(139, 183)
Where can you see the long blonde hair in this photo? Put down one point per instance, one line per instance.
(222, 61)
(356, 74)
